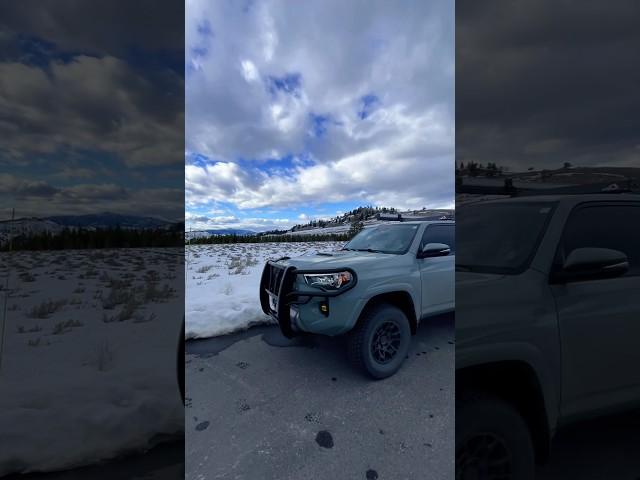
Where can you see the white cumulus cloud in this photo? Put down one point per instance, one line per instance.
(359, 95)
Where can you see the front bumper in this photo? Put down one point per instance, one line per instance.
(278, 294)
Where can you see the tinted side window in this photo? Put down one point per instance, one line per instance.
(605, 226)
(440, 234)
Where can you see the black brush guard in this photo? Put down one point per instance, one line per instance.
(279, 280)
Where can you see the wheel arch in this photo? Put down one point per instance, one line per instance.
(516, 382)
(398, 298)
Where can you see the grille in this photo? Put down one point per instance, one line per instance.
(274, 279)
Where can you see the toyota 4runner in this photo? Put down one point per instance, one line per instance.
(375, 289)
(547, 324)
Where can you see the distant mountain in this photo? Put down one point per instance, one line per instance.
(28, 226)
(368, 216)
(222, 231)
(109, 220)
(54, 225)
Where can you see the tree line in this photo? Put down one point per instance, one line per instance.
(114, 237)
(233, 238)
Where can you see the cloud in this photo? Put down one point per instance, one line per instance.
(39, 198)
(92, 114)
(204, 222)
(70, 173)
(88, 103)
(537, 86)
(358, 96)
(121, 25)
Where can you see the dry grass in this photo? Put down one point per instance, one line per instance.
(27, 277)
(37, 342)
(46, 308)
(105, 356)
(120, 293)
(127, 312)
(66, 326)
(34, 329)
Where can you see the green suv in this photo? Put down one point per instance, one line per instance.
(376, 289)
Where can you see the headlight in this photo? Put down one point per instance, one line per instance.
(328, 281)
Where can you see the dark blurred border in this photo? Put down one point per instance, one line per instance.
(92, 239)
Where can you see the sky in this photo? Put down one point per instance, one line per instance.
(303, 110)
(535, 90)
(91, 113)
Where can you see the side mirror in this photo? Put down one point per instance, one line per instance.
(435, 250)
(593, 263)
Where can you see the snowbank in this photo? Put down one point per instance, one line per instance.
(77, 387)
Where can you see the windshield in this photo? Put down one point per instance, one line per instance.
(500, 238)
(384, 239)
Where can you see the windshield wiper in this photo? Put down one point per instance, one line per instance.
(370, 250)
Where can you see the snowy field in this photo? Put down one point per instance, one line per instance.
(89, 364)
(223, 282)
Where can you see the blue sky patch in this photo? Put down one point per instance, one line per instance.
(368, 104)
(199, 51)
(319, 124)
(204, 28)
(300, 118)
(291, 83)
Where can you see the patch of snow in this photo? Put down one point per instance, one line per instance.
(323, 230)
(77, 387)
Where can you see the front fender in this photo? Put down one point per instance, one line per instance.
(526, 353)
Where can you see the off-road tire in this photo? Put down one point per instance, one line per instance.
(492, 439)
(362, 336)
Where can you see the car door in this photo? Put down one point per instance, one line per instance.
(599, 319)
(437, 273)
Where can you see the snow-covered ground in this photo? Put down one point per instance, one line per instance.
(223, 282)
(89, 363)
(338, 229)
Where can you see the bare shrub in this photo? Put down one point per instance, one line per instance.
(105, 356)
(235, 262)
(91, 272)
(46, 309)
(128, 310)
(112, 262)
(152, 276)
(140, 318)
(204, 269)
(125, 314)
(251, 261)
(34, 342)
(27, 277)
(66, 326)
(154, 294)
(120, 294)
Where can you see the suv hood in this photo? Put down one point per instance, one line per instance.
(339, 259)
